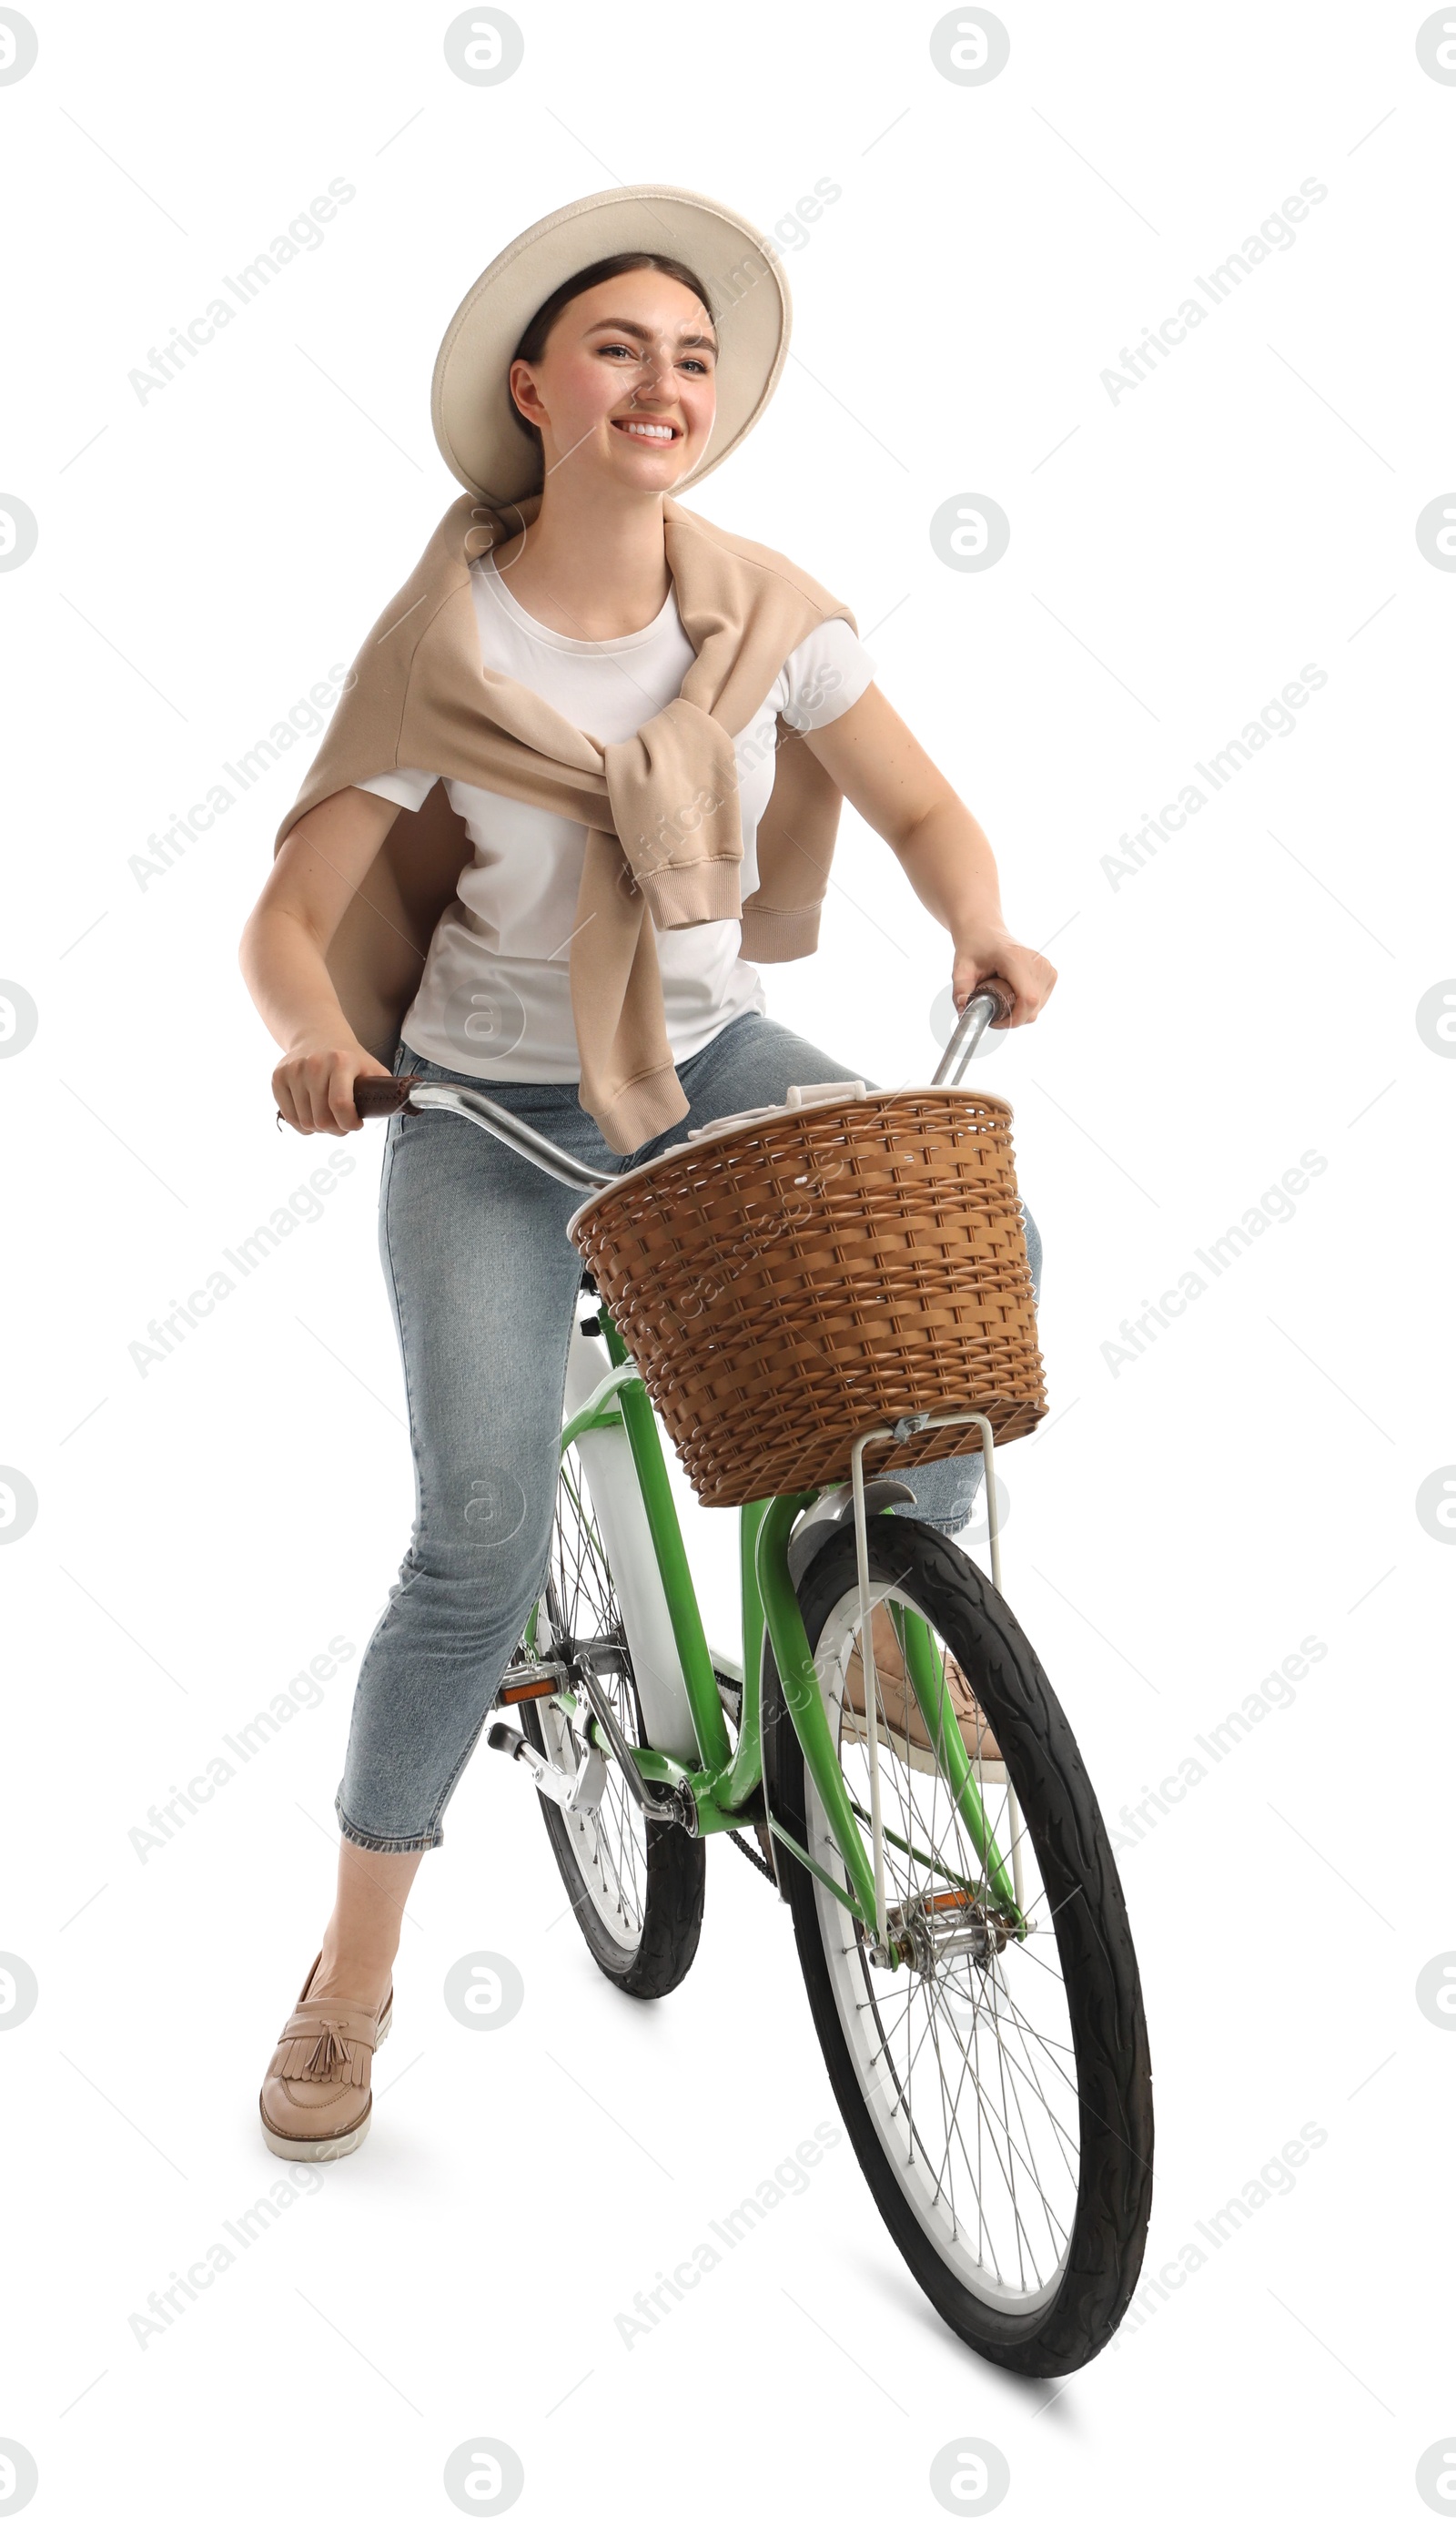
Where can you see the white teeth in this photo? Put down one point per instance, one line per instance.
(646, 429)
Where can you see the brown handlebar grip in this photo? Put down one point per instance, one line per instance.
(374, 1095)
(998, 990)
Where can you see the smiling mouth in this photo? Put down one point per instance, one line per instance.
(654, 433)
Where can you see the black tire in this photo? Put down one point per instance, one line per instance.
(673, 1883)
(1089, 2286)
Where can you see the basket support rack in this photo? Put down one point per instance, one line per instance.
(897, 1431)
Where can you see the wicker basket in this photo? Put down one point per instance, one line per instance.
(787, 1284)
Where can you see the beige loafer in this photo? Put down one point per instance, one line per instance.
(902, 1714)
(315, 2100)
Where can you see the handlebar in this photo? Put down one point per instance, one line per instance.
(992, 1000)
(989, 1002)
(391, 1096)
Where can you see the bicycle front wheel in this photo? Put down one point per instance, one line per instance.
(995, 2084)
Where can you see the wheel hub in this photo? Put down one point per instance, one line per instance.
(954, 1923)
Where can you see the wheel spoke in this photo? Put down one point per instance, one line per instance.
(609, 1846)
(965, 2052)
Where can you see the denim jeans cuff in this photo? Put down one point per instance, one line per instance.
(386, 1842)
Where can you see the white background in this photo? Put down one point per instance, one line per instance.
(1182, 1521)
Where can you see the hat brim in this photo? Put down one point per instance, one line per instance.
(470, 402)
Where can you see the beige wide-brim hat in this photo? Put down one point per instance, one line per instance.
(469, 403)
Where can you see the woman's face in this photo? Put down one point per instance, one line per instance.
(625, 386)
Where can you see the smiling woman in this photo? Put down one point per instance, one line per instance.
(620, 361)
(584, 779)
(692, 339)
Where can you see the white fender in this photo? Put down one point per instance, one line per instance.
(606, 1457)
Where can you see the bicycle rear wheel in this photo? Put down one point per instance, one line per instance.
(637, 1887)
(997, 2088)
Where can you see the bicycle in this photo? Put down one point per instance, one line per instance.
(912, 1784)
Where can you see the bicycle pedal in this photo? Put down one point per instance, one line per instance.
(540, 1688)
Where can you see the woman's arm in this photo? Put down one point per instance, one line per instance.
(890, 781)
(319, 868)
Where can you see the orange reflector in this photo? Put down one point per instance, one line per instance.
(539, 1691)
(954, 1899)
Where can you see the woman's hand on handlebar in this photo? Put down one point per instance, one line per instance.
(1026, 972)
(313, 1084)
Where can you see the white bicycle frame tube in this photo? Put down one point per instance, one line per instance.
(606, 1458)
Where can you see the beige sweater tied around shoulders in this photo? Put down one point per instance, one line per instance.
(661, 809)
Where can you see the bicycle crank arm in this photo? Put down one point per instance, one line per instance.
(665, 1806)
(578, 1793)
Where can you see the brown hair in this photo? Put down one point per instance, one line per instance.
(532, 344)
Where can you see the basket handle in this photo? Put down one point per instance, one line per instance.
(990, 1003)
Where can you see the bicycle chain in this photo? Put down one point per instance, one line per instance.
(764, 1866)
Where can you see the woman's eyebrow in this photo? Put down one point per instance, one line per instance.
(643, 333)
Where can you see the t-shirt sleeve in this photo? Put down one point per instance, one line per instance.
(825, 675)
(406, 788)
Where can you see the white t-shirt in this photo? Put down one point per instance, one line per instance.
(494, 999)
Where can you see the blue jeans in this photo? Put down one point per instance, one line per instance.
(482, 1279)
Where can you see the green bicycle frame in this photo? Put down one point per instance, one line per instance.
(726, 1785)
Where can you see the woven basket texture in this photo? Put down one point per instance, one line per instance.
(787, 1285)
